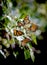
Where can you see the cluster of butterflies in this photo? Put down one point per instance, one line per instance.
(28, 26)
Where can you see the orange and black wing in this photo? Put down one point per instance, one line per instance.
(18, 33)
(26, 40)
(33, 27)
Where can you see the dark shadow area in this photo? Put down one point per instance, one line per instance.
(41, 1)
(39, 58)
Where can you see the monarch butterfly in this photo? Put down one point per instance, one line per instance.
(33, 27)
(17, 33)
(26, 19)
(24, 41)
(20, 24)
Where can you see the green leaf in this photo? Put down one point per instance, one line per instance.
(15, 53)
(27, 54)
(33, 37)
(6, 21)
(11, 41)
(29, 45)
(32, 55)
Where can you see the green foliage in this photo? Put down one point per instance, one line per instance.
(15, 53)
(33, 37)
(6, 21)
(26, 54)
(32, 56)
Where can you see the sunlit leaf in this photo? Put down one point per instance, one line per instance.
(32, 55)
(26, 54)
(33, 36)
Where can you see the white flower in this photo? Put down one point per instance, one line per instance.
(38, 32)
(2, 53)
(9, 18)
(20, 38)
(4, 41)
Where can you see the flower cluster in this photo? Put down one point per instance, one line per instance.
(21, 32)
